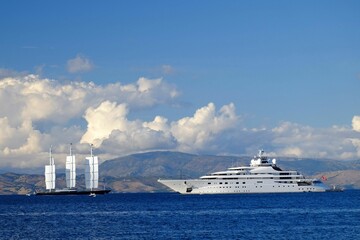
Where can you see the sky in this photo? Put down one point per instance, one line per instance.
(204, 77)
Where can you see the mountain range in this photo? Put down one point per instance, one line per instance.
(139, 172)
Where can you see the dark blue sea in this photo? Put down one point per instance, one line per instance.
(330, 215)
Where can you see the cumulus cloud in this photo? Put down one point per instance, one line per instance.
(26, 140)
(195, 132)
(38, 112)
(356, 123)
(289, 139)
(37, 99)
(79, 64)
(109, 127)
(296, 140)
(103, 120)
(17, 143)
(187, 134)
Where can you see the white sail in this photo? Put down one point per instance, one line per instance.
(91, 172)
(50, 177)
(70, 171)
(50, 174)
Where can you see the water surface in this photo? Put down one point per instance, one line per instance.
(331, 215)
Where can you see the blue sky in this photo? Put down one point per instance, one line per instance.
(276, 61)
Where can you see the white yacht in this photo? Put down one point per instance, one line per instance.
(262, 176)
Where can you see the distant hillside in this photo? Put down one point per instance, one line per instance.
(12, 183)
(176, 164)
(314, 166)
(167, 164)
(346, 178)
(139, 172)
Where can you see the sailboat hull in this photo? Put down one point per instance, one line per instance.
(73, 192)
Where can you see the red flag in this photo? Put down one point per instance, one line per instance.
(324, 178)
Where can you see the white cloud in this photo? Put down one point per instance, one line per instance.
(291, 152)
(26, 137)
(20, 141)
(79, 64)
(145, 85)
(103, 120)
(356, 123)
(132, 136)
(159, 124)
(294, 140)
(38, 99)
(108, 123)
(194, 133)
(291, 139)
(38, 112)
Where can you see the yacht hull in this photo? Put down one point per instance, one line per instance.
(198, 186)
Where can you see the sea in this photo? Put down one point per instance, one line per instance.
(329, 215)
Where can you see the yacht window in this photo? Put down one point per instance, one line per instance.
(226, 183)
(284, 173)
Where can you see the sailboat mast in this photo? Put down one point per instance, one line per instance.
(92, 161)
(91, 150)
(51, 162)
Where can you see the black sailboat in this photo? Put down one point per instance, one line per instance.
(91, 177)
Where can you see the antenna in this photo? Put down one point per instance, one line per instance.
(91, 150)
(70, 149)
